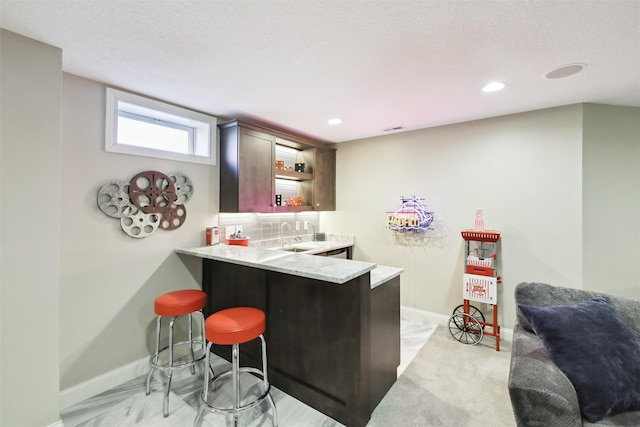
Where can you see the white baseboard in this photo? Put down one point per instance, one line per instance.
(422, 315)
(79, 392)
(441, 319)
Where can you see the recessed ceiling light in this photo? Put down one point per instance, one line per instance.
(335, 121)
(565, 71)
(493, 87)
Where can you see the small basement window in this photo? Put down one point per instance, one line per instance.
(146, 127)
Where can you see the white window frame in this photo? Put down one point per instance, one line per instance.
(203, 149)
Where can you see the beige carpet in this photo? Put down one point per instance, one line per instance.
(450, 384)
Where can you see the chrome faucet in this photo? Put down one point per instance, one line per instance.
(313, 232)
(282, 232)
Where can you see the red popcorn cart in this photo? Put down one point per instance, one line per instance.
(479, 284)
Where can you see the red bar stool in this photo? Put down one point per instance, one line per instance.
(234, 326)
(173, 305)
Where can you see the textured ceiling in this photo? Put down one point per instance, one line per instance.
(375, 64)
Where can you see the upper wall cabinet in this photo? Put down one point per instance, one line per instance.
(263, 170)
(323, 185)
(246, 175)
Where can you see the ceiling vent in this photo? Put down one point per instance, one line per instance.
(393, 129)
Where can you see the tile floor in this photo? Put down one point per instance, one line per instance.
(127, 404)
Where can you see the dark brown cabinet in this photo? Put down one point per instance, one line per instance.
(324, 181)
(335, 347)
(246, 161)
(250, 181)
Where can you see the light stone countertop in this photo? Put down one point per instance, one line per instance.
(382, 274)
(335, 270)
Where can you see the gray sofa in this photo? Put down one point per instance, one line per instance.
(541, 394)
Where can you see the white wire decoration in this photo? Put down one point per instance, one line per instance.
(412, 216)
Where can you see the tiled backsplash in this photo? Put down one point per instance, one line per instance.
(269, 226)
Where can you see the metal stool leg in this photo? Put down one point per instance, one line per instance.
(196, 422)
(265, 379)
(236, 382)
(193, 356)
(204, 341)
(204, 394)
(165, 402)
(147, 389)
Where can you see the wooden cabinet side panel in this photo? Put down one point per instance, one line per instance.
(385, 338)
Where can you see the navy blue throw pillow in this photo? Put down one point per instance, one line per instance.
(596, 350)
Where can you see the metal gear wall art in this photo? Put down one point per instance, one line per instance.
(151, 200)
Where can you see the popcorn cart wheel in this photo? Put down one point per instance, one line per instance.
(473, 312)
(467, 328)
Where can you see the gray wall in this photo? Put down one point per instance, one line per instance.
(108, 279)
(611, 203)
(30, 212)
(526, 172)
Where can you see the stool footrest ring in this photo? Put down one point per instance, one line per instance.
(198, 349)
(249, 405)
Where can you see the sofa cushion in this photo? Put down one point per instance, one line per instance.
(544, 295)
(596, 350)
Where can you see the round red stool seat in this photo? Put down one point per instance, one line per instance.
(235, 325)
(180, 303)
